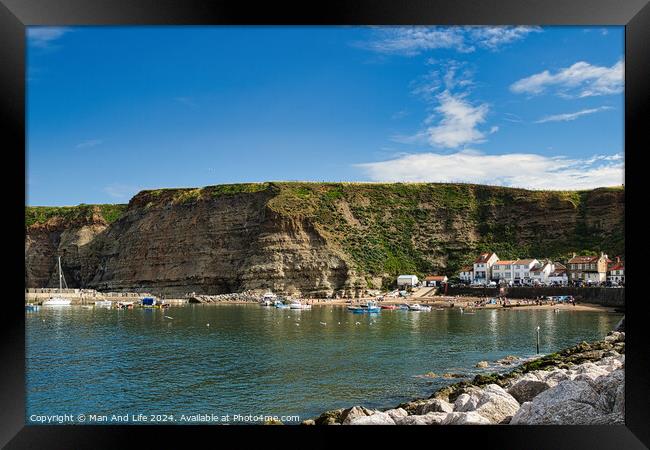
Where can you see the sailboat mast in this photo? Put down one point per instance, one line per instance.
(60, 275)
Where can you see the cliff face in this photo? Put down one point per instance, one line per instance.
(311, 238)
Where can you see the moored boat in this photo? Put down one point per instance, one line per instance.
(295, 304)
(370, 307)
(32, 308)
(418, 307)
(388, 306)
(59, 301)
(268, 299)
(104, 303)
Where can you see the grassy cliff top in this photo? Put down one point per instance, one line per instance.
(73, 214)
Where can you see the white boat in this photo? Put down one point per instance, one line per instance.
(104, 303)
(297, 305)
(268, 299)
(59, 301)
(415, 307)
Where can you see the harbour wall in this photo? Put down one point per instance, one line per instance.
(614, 297)
(83, 296)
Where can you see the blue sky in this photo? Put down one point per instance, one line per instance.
(114, 110)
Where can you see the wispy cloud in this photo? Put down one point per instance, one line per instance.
(43, 37)
(453, 120)
(411, 41)
(89, 143)
(459, 122)
(121, 191)
(495, 37)
(579, 80)
(571, 116)
(525, 170)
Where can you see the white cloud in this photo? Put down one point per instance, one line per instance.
(42, 37)
(525, 170)
(579, 80)
(412, 40)
(89, 143)
(459, 122)
(571, 116)
(494, 37)
(121, 191)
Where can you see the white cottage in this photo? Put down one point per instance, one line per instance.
(407, 281)
(466, 274)
(540, 273)
(483, 267)
(522, 268)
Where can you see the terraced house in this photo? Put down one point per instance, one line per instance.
(502, 271)
(617, 272)
(483, 267)
(590, 269)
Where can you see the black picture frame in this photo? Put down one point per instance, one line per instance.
(15, 15)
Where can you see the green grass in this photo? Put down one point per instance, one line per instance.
(79, 213)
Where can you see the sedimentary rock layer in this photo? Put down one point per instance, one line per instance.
(309, 238)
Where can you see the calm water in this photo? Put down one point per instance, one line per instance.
(259, 360)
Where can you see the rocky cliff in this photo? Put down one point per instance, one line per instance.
(309, 238)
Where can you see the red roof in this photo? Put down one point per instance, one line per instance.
(503, 262)
(483, 258)
(583, 259)
(524, 262)
(617, 267)
(435, 278)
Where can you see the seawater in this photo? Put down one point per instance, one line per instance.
(253, 361)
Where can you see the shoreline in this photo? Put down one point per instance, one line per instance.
(457, 302)
(540, 391)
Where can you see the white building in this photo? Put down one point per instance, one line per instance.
(466, 274)
(502, 271)
(407, 280)
(483, 267)
(540, 273)
(558, 275)
(616, 273)
(522, 268)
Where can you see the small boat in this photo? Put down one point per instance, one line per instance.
(415, 307)
(59, 301)
(125, 305)
(404, 307)
(268, 299)
(370, 307)
(425, 308)
(280, 304)
(148, 302)
(388, 306)
(104, 304)
(297, 305)
(32, 308)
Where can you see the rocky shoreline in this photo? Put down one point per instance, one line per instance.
(581, 385)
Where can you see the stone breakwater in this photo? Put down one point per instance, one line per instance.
(581, 385)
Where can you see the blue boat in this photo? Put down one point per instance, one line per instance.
(148, 301)
(370, 307)
(32, 308)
